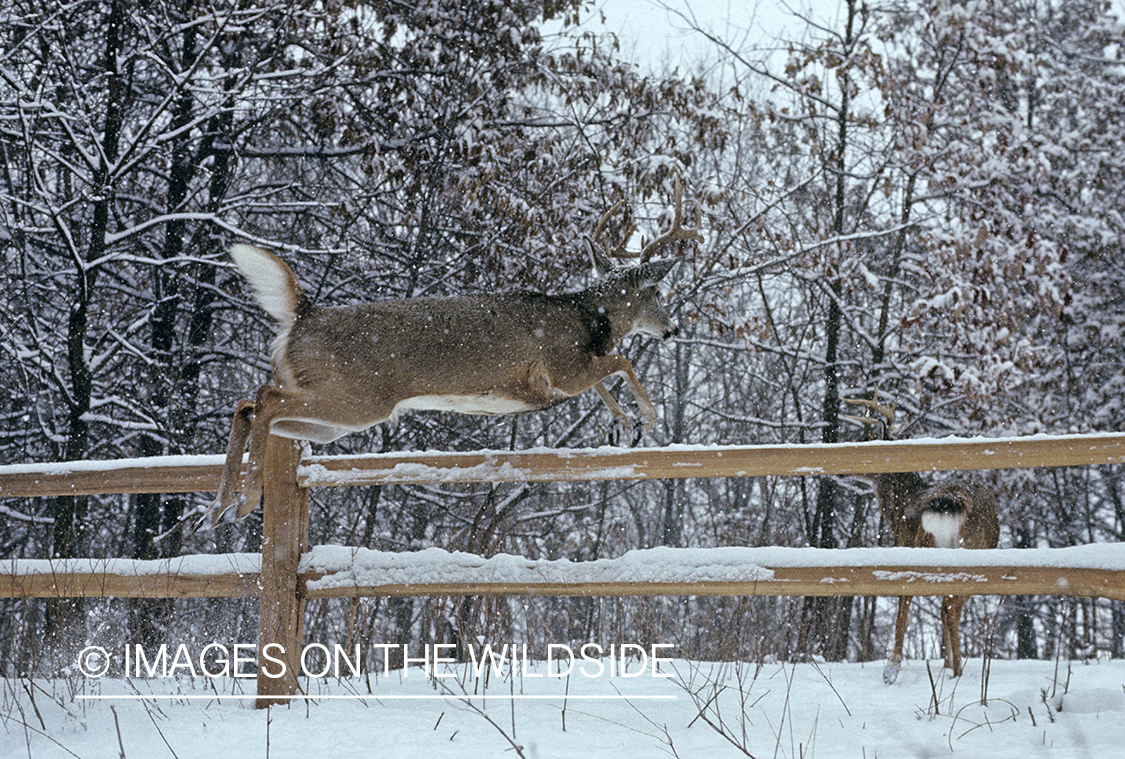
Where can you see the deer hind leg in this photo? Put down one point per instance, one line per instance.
(264, 409)
(271, 402)
(951, 607)
(296, 415)
(890, 672)
(230, 481)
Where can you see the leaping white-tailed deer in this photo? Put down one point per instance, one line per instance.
(343, 369)
(953, 514)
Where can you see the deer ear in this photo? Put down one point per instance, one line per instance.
(602, 264)
(654, 271)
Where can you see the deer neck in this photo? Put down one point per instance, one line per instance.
(608, 301)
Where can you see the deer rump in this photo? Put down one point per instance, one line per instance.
(959, 514)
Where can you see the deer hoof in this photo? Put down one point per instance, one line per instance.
(201, 520)
(616, 431)
(890, 673)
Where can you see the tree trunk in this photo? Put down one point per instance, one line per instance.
(65, 620)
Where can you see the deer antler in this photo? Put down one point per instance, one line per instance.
(619, 251)
(885, 412)
(677, 232)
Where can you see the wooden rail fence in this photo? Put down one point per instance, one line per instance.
(282, 582)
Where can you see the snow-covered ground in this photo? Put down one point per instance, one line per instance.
(1034, 709)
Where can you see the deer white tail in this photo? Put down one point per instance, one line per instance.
(944, 527)
(275, 287)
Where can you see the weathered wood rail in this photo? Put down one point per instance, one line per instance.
(921, 575)
(194, 474)
(277, 578)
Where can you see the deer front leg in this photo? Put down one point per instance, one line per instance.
(615, 363)
(614, 409)
(890, 672)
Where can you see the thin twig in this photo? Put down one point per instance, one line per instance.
(158, 730)
(117, 725)
(933, 689)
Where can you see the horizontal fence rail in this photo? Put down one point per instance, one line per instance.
(192, 474)
(340, 572)
(919, 580)
(235, 575)
(682, 462)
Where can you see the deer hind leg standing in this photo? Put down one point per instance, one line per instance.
(894, 663)
(959, 514)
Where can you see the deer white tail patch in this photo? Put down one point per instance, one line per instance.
(944, 527)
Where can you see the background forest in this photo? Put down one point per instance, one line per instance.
(923, 197)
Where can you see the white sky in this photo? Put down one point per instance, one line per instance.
(654, 32)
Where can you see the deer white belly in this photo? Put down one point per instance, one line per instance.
(945, 528)
(465, 404)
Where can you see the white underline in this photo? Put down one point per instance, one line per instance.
(379, 697)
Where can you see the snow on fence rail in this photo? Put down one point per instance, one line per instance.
(192, 474)
(341, 572)
(287, 572)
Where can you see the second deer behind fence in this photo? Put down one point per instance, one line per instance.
(957, 513)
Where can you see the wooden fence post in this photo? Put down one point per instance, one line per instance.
(285, 536)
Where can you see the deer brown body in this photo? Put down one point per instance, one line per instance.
(952, 514)
(343, 369)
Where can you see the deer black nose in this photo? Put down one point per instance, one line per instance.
(672, 332)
